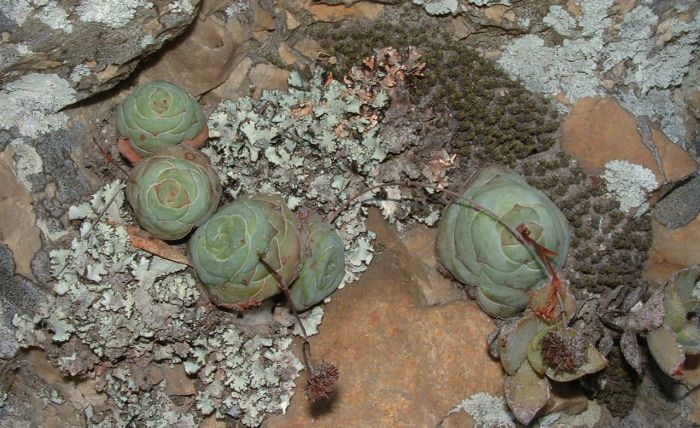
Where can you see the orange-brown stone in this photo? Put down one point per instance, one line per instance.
(599, 130)
(673, 249)
(400, 364)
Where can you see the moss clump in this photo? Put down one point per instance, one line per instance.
(621, 385)
(608, 247)
(492, 118)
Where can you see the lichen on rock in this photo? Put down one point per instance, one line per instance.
(32, 104)
(124, 316)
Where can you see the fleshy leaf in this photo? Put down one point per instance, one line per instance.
(526, 393)
(666, 351)
(513, 348)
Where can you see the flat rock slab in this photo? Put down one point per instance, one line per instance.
(401, 363)
(599, 130)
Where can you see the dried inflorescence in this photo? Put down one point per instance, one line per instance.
(563, 353)
(322, 383)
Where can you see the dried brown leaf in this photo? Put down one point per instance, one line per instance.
(147, 242)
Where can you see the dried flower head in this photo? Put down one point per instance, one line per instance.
(322, 384)
(562, 353)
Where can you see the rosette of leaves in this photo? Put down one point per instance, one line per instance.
(173, 192)
(324, 266)
(158, 115)
(533, 354)
(679, 335)
(479, 250)
(247, 250)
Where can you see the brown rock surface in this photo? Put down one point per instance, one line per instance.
(17, 228)
(204, 59)
(673, 249)
(286, 53)
(233, 86)
(400, 364)
(341, 12)
(267, 76)
(599, 130)
(309, 48)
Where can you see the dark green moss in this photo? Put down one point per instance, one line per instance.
(621, 385)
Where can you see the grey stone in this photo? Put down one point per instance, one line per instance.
(93, 45)
(17, 295)
(681, 206)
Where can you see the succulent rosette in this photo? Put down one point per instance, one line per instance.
(478, 250)
(158, 115)
(174, 191)
(682, 307)
(679, 333)
(245, 249)
(324, 266)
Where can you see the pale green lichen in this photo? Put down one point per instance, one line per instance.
(487, 411)
(119, 312)
(651, 57)
(113, 13)
(32, 104)
(27, 163)
(47, 12)
(629, 184)
(181, 6)
(439, 7)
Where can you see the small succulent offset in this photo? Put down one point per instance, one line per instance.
(533, 354)
(480, 250)
(679, 334)
(247, 250)
(158, 115)
(324, 267)
(173, 192)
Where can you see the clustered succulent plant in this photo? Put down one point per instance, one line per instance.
(246, 250)
(173, 192)
(507, 239)
(158, 115)
(481, 251)
(249, 249)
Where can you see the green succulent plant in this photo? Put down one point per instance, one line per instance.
(324, 266)
(534, 354)
(478, 250)
(173, 192)
(246, 249)
(158, 115)
(679, 335)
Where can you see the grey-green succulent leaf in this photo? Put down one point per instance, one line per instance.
(158, 115)
(478, 250)
(324, 267)
(681, 304)
(526, 393)
(173, 192)
(514, 347)
(246, 249)
(666, 350)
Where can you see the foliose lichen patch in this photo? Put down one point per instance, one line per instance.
(647, 55)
